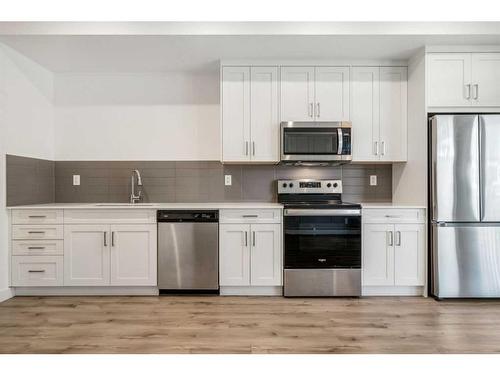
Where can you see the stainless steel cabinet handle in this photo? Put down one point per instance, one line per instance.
(398, 238)
(311, 110)
(112, 238)
(105, 238)
(36, 247)
(246, 148)
(375, 147)
(36, 232)
(248, 216)
(37, 216)
(253, 148)
(246, 238)
(476, 91)
(318, 109)
(253, 238)
(36, 271)
(467, 91)
(392, 216)
(391, 238)
(383, 147)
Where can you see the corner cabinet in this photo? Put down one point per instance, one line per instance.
(463, 79)
(315, 93)
(250, 252)
(394, 251)
(250, 119)
(379, 114)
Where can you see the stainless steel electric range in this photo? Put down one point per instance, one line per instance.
(322, 239)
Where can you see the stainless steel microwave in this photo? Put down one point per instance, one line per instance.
(316, 141)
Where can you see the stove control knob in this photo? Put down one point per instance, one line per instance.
(291, 185)
(335, 185)
(328, 185)
(284, 184)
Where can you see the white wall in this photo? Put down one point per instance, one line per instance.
(172, 116)
(409, 180)
(26, 127)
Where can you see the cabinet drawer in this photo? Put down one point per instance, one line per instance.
(37, 232)
(250, 216)
(393, 215)
(37, 271)
(37, 216)
(37, 247)
(114, 216)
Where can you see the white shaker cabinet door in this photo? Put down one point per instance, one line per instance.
(234, 252)
(86, 255)
(365, 102)
(393, 114)
(235, 113)
(265, 255)
(409, 254)
(264, 118)
(449, 80)
(332, 93)
(133, 254)
(378, 254)
(297, 93)
(486, 79)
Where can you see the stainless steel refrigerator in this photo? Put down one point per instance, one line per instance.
(465, 205)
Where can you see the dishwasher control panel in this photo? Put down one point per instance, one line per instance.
(177, 216)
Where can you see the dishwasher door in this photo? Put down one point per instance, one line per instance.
(188, 256)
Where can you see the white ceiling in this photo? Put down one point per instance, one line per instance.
(191, 49)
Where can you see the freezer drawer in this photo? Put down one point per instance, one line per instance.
(466, 260)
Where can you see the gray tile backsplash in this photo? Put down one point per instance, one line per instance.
(29, 180)
(41, 181)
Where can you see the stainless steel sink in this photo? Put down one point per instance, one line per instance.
(124, 204)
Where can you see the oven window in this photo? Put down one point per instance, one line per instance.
(304, 141)
(322, 242)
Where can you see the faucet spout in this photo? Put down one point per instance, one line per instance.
(134, 198)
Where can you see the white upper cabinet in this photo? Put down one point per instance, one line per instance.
(264, 117)
(393, 114)
(235, 113)
(314, 93)
(332, 93)
(486, 79)
(449, 79)
(250, 119)
(365, 107)
(379, 113)
(463, 79)
(297, 93)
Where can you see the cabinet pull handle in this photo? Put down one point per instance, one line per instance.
(105, 238)
(249, 216)
(36, 247)
(35, 232)
(392, 216)
(253, 239)
(311, 109)
(467, 91)
(37, 216)
(36, 271)
(318, 109)
(113, 239)
(476, 91)
(383, 148)
(391, 239)
(375, 147)
(253, 148)
(398, 238)
(246, 239)
(246, 148)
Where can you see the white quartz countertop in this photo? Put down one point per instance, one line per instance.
(389, 205)
(152, 206)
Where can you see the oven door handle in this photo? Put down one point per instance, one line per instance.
(321, 212)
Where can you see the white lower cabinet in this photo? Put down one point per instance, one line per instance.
(120, 255)
(250, 255)
(394, 257)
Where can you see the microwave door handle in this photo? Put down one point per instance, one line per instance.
(340, 141)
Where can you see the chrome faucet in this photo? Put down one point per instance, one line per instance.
(135, 198)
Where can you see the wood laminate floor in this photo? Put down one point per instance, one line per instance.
(247, 325)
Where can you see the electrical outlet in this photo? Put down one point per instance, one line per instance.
(76, 180)
(373, 180)
(228, 180)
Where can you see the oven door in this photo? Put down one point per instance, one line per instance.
(324, 239)
(303, 141)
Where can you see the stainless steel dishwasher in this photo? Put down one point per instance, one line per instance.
(188, 252)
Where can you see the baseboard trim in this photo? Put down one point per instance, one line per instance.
(6, 294)
(251, 290)
(392, 291)
(87, 291)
